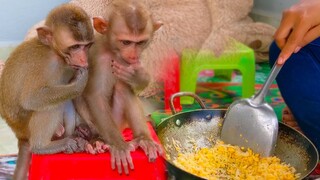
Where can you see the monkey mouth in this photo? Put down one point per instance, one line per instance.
(127, 62)
(76, 67)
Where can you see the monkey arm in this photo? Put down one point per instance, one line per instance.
(135, 116)
(142, 82)
(137, 121)
(131, 107)
(69, 118)
(48, 97)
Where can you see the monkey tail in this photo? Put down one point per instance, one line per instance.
(23, 160)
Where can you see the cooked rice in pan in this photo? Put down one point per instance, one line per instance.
(231, 162)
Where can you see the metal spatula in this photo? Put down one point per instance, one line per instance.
(251, 122)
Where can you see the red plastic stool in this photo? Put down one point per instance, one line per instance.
(87, 166)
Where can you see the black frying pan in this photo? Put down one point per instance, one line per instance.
(292, 146)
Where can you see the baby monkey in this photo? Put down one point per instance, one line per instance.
(39, 81)
(109, 101)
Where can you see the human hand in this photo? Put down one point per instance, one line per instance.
(299, 26)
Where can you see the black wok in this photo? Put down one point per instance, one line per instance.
(200, 125)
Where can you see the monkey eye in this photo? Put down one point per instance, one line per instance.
(89, 45)
(142, 43)
(74, 47)
(126, 43)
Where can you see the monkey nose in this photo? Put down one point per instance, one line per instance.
(133, 59)
(81, 63)
(84, 63)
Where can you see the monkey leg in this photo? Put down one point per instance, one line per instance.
(69, 118)
(23, 161)
(83, 113)
(59, 132)
(42, 126)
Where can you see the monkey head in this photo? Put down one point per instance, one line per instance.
(69, 34)
(127, 32)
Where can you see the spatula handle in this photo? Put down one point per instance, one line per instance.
(259, 97)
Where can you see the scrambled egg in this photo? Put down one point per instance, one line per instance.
(230, 162)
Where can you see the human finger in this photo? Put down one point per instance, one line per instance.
(311, 35)
(292, 45)
(286, 25)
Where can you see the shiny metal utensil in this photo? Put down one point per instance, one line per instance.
(252, 123)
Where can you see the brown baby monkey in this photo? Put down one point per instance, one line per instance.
(39, 81)
(109, 101)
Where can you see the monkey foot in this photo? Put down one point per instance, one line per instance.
(83, 131)
(96, 146)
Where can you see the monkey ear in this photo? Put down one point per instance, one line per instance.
(157, 25)
(100, 25)
(45, 35)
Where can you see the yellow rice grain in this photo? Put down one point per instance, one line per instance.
(230, 162)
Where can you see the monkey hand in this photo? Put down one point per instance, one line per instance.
(120, 157)
(135, 75)
(83, 131)
(80, 79)
(149, 146)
